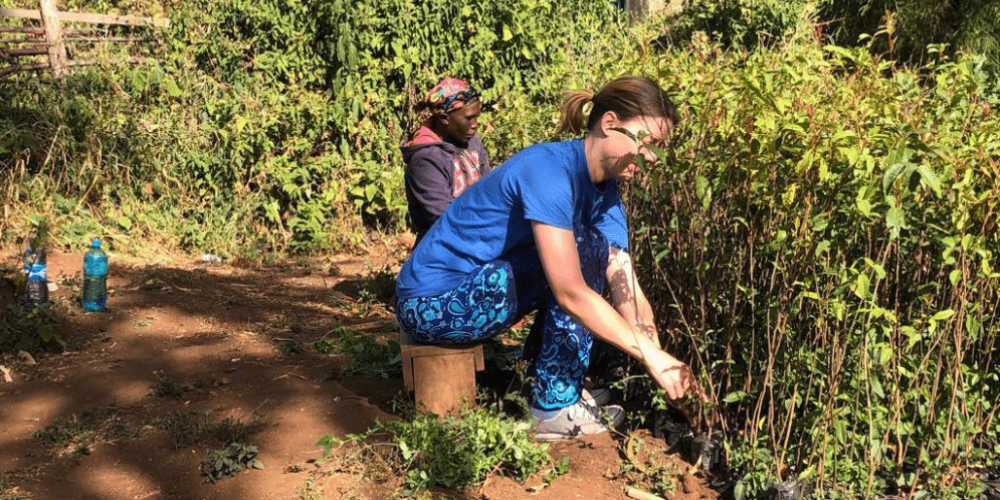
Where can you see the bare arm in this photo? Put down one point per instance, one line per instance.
(627, 296)
(557, 250)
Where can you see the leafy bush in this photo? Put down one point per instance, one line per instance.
(229, 461)
(913, 25)
(265, 126)
(827, 246)
(29, 328)
(456, 452)
(367, 355)
(740, 23)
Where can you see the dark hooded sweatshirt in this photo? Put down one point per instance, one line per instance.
(437, 172)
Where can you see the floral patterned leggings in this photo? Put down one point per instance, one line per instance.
(498, 294)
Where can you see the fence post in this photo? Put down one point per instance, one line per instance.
(53, 36)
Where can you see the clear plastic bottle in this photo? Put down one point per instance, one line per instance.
(95, 278)
(36, 287)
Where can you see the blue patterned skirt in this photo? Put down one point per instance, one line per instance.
(498, 294)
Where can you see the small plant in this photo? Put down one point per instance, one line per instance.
(368, 357)
(230, 430)
(7, 490)
(379, 287)
(323, 346)
(77, 434)
(165, 387)
(454, 452)
(290, 347)
(644, 468)
(29, 329)
(185, 427)
(188, 427)
(229, 461)
(292, 323)
(309, 490)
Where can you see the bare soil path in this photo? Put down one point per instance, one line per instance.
(193, 355)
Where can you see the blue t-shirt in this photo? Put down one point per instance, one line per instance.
(548, 183)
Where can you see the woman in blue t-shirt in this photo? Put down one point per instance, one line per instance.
(547, 230)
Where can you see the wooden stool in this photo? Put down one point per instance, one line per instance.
(442, 378)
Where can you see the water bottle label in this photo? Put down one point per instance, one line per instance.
(95, 266)
(37, 273)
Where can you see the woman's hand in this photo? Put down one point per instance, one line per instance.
(677, 379)
(671, 374)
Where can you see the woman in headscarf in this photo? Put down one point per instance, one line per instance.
(445, 155)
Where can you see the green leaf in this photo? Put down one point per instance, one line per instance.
(172, 89)
(700, 187)
(877, 388)
(241, 122)
(884, 355)
(954, 277)
(860, 288)
(46, 332)
(864, 206)
(125, 222)
(890, 176)
(822, 247)
(879, 270)
(841, 51)
(895, 220)
(852, 154)
(943, 315)
(929, 178)
(507, 35)
(734, 396)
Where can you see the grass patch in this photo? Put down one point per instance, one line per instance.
(188, 427)
(78, 434)
(7, 489)
(165, 387)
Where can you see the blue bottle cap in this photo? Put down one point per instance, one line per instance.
(96, 243)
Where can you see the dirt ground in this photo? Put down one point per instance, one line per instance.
(191, 354)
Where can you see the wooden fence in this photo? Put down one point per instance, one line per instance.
(41, 34)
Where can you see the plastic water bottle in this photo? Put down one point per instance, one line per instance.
(36, 288)
(95, 278)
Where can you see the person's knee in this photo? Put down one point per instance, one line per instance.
(593, 250)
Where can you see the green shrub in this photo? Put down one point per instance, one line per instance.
(260, 127)
(455, 452)
(740, 23)
(368, 355)
(914, 25)
(29, 328)
(229, 461)
(824, 236)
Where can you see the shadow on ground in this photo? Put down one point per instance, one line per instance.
(188, 358)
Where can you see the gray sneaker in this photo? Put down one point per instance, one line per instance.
(596, 397)
(580, 419)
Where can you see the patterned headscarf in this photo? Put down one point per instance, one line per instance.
(450, 94)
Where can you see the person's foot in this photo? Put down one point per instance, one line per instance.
(577, 420)
(596, 397)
